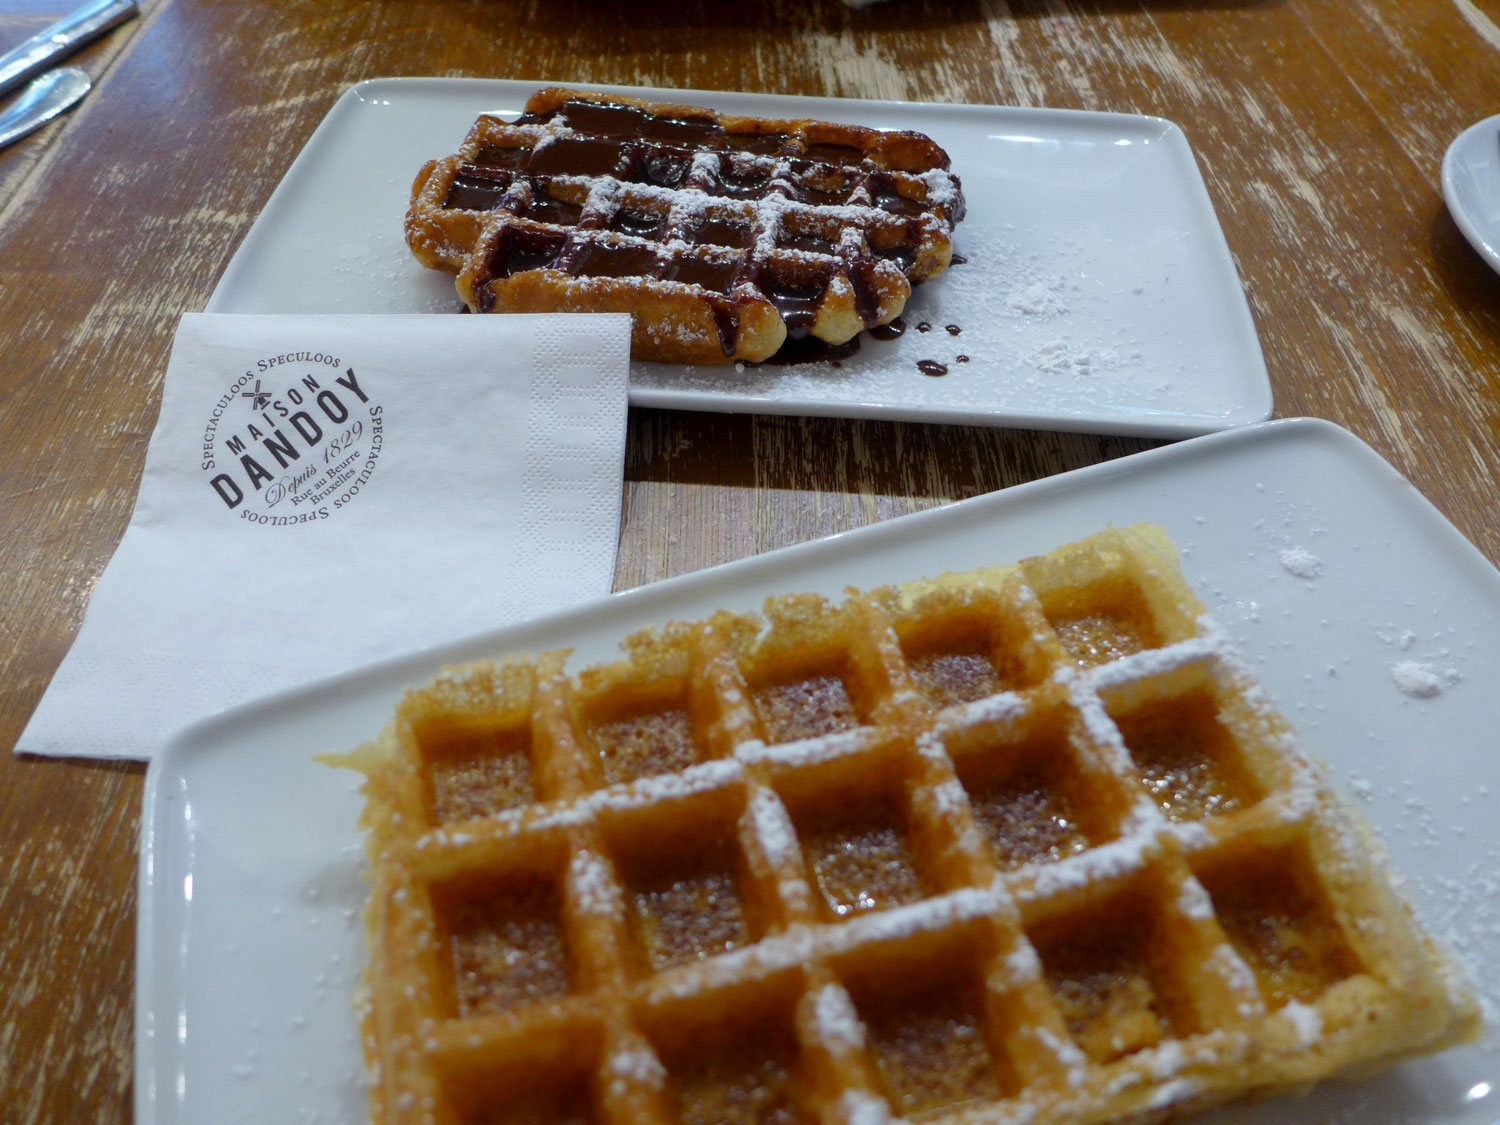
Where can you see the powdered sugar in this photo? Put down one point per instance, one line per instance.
(1098, 866)
(1231, 967)
(947, 798)
(836, 1020)
(1427, 664)
(638, 1065)
(773, 828)
(927, 916)
(1022, 963)
(594, 890)
(1421, 680)
(1300, 562)
(806, 750)
(1045, 297)
(1193, 902)
(1306, 1020)
(1179, 1089)
(700, 778)
(856, 1107)
(1065, 356)
(1000, 708)
(1166, 1060)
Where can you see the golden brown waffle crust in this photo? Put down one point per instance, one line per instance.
(900, 150)
(874, 255)
(1173, 869)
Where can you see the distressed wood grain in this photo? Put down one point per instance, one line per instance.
(1319, 126)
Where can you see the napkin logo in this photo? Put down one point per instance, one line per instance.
(292, 446)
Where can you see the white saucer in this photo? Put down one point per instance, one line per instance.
(1471, 186)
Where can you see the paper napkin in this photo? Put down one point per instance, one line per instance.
(323, 491)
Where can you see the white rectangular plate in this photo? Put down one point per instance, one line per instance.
(1330, 570)
(1099, 294)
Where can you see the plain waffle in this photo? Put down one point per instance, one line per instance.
(1023, 844)
(722, 236)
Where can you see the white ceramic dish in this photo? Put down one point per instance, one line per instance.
(1099, 294)
(1327, 566)
(1471, 186)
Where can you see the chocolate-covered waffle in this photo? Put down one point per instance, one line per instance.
(722, 236)
(1024, 844)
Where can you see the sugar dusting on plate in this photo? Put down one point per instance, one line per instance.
(1007, 327)
(1301, 562)
(1417, 658)
(1424, 668)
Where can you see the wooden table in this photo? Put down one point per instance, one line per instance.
(1319, 126)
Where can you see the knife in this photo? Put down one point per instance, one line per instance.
(62, 38)
(40, 102)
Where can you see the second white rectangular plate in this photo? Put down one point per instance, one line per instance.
(1370, 620)
(1098, 293)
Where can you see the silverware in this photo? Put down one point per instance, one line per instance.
(40, 102)
(62, 38)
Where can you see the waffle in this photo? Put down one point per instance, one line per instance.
(722, 236)
(1021, 844)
